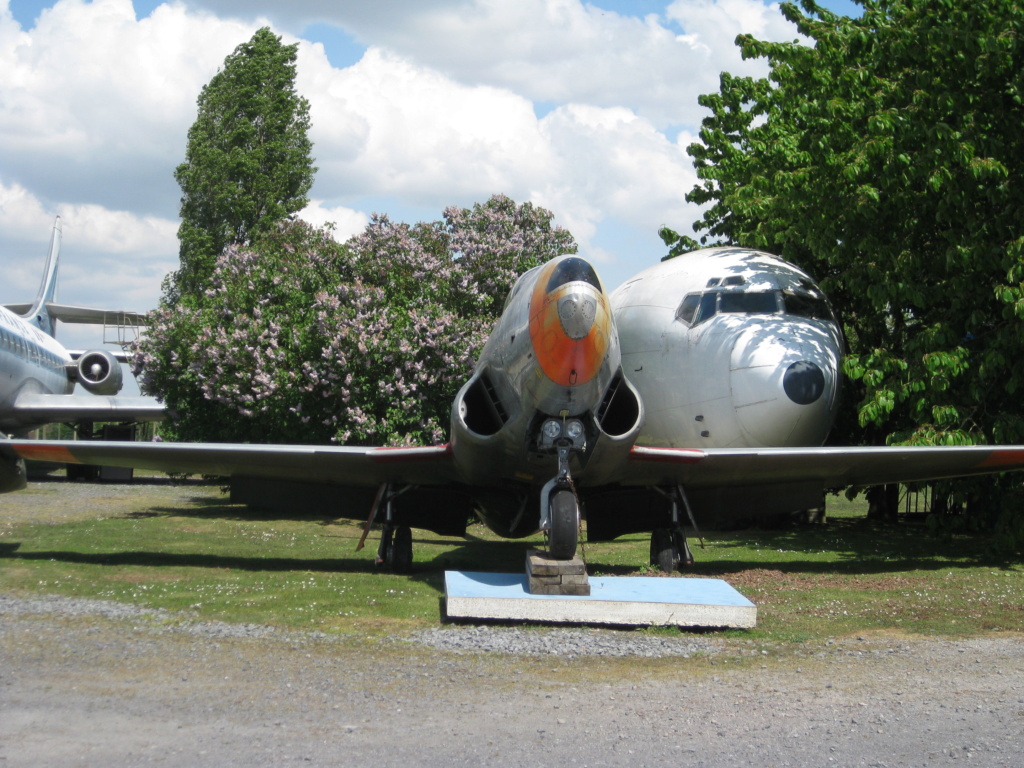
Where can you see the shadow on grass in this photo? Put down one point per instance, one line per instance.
(850, 546)
(471, 554)
(845, 546)
(195, 560)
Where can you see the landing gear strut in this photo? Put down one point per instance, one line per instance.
(395, 549)
(669, 550)
(560, 510)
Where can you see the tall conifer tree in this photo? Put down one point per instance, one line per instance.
(248, 163)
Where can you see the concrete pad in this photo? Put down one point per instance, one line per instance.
(632, 600)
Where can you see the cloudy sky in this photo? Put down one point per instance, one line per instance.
(585, 108)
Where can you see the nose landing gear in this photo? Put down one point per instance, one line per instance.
(559, 505)
(564, 524)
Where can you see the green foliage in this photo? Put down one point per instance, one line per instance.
(300, 339)
(881, 160)
(247, 164)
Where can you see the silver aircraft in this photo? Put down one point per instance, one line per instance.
(38, 375)
(702, 389)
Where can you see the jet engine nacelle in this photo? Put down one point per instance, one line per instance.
(99, 372)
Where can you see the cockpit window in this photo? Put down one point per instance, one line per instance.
(697, 308)
(809, 305)
(688, 308)
(749, 303)
(707, 307)
(573, 270)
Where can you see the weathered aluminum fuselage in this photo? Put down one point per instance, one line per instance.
(729, 348)
(553, 356)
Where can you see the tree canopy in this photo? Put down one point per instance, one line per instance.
(300, 339)
(247, 163)
(881, 159)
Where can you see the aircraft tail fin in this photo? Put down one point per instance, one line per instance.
(39, 315)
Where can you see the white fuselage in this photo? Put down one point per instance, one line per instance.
(30, 362)
(729, 348)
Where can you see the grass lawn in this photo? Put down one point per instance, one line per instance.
(187, 549)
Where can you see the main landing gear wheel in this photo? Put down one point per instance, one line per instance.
(565, 525)
(401, 550)
(395, 551)
(669, 550)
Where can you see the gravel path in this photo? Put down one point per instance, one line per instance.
(96, 683)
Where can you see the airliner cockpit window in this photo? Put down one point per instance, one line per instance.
(698, 308)
(688, 308)
(807, 305)
(707, 308)
(749, 303)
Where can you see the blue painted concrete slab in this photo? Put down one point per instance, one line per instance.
(635, 600)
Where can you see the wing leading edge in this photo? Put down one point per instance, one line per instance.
(366, 467)
(832, 467)
(37, 408)
(433, 466)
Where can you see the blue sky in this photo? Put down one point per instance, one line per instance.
(585, 109)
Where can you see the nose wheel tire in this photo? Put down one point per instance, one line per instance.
(565, 525)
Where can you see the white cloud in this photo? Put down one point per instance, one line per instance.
(112, 259)
(346, 221)
(555, 50)
(385, 125)
(551, 101)
(102, 101)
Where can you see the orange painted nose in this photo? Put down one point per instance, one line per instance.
(569, 322)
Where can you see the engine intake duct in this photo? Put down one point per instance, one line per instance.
(481, 408)
(620, 409)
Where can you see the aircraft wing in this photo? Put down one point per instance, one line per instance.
(30, 408)
(347, 466)
(832, 467)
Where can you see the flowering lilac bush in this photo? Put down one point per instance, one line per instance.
(299, 339)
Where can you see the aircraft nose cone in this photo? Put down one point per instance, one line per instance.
(576, 313)
(803, 382)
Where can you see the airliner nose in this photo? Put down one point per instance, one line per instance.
(784, 385)
(803, 382)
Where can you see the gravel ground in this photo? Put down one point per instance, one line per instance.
(96, 683)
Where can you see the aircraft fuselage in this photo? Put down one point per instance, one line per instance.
(30, 362)
(736, 348)
(721, 348)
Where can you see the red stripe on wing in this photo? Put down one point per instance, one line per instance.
(57, 453)
(669, 455)
(402, 454)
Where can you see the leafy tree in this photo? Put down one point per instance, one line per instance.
(247, 164)
(300, 339)
(882, 159)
